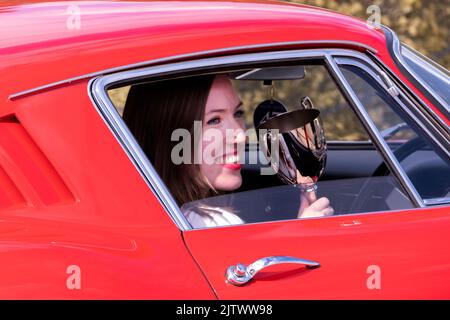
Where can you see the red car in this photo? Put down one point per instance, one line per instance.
(84, 214)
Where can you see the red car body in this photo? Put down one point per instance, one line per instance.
(70, 195)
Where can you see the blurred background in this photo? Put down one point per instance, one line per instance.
(421, 24)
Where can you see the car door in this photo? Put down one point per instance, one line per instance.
(381, 255)
(372, 256)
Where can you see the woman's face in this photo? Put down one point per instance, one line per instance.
(223, 116)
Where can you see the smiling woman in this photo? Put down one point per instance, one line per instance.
(153, 112)
(223, 112)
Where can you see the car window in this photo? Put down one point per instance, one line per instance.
(334, 176)
(423, 161)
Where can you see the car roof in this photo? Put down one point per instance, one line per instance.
(45, 43)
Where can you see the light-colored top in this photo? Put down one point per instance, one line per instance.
(214, 218)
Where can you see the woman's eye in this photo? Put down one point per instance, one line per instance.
(239, 114)
(213, 121)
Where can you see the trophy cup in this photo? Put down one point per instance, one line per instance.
(301, 140)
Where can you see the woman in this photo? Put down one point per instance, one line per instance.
(154, 111)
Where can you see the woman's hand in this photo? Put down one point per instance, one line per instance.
(310, 206)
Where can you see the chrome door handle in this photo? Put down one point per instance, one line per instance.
(240, 274)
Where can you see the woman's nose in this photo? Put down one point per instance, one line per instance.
(235, 131)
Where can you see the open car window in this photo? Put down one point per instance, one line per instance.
(349, 180)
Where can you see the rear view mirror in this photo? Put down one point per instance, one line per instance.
(271, 73)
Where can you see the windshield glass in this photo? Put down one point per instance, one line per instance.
(435, 76)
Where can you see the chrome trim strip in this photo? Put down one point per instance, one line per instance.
(189, 56)
(56, 84)
(196, 65)
(356, 63)
(396, 48)
(375, 134)
(134, 152)
(437, 201)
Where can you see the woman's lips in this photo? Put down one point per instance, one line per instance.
(231, 161)
(232, 166)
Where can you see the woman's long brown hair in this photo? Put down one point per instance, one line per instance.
(152, 112)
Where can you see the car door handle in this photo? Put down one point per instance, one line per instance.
(240, 274)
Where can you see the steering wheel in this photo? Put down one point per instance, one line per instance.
(400, 154)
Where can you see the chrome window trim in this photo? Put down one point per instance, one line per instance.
(126, 139)
(198, 54)
(97, 91)
(374, 133)
(201, 64)
(397, 55)
(352, 61)
(437, 201)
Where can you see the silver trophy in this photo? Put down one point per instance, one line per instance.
(301, 140)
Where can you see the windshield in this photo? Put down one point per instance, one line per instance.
(435, 77)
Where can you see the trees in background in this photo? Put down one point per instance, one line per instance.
(422, 24)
